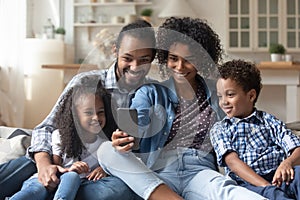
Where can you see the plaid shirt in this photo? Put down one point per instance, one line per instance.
(41, 135)
(261, 141)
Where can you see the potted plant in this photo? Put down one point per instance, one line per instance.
(146, 14)
(277, 51)
(60, 33)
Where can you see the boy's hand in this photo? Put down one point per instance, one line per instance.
(284, 173)
(96, 174)
(79, 167)
(121, 141)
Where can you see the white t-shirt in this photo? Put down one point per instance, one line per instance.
(89, 155)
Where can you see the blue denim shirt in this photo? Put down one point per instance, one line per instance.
(155, 104)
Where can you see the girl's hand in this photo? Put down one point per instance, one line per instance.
(79, 167)
(284, 173)
(96, 174)
(121, 141)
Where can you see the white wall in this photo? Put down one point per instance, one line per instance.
(42, 86)
(39, 12)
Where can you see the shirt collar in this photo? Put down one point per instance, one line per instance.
(172, 94)
(111, 77)
(255, 115)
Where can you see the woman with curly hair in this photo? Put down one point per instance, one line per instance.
(84, 121)
(174, 119)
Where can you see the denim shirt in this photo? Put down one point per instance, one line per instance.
(155, 104)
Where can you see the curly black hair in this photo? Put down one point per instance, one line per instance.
(139, 29)
(244, 73)
(67, 119)
(197, 34)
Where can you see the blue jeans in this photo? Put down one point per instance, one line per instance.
(68, 186)
(108, 188)
(189, 172)
(32, 189)
(285, 192)
(13, 173)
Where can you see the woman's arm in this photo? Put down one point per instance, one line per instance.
(241, 169)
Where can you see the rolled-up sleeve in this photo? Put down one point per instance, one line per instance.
(220, 140)
(286, 139)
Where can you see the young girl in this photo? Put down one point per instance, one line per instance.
(81, 129)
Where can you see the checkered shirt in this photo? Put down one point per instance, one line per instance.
(261, 141)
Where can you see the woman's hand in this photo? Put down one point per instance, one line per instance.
(96, 174)
(79, 167)
(121, 141)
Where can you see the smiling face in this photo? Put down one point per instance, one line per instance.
(134, 61)
(233, 100)
(180, 62)
(91, 114)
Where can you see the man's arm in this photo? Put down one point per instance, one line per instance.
(241, 169)
(46, 170)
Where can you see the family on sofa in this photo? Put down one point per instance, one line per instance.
(175, 159)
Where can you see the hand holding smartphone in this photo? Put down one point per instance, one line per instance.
(128, 122)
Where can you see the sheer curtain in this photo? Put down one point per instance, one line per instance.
(12, 35)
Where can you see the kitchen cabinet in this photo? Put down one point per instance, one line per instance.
(254, 24)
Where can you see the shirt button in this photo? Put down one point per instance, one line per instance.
(165, 133)
(158, 148)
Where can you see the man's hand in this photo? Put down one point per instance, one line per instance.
(47, 175)
(47, 171)
(121, 141)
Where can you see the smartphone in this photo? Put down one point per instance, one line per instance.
(128, 122)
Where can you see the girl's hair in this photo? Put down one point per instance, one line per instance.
(244, 73)
(197, 34)
(141, 30)
(67, 119)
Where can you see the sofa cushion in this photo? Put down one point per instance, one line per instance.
(13, 143)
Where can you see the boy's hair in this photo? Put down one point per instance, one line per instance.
(67, 120)
(244, 73)
(139, 29)
(202, 40)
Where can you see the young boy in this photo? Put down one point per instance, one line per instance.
(256, 149)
